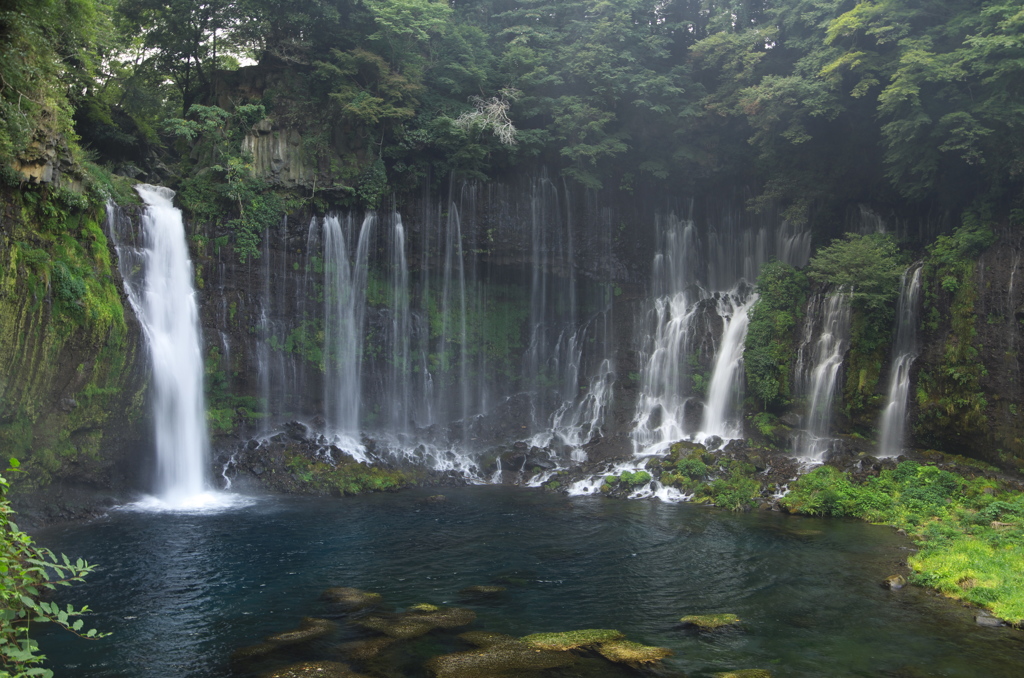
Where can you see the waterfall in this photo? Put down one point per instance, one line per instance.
(398, 394)
(165, 302)
(904, 352)
(660, 418)
(822, 373)
(344, 311)
(725, 390)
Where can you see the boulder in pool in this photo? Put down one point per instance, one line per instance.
(310, 629)
(710, 622)
(628, 652)
(570, 640)
(509, 658)
(351, 599)
(895, 582)
(412, 623)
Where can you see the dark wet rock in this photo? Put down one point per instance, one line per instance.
(436, 499)
(713, 443)
(509, 658)
(895, 582)
(320, 669)
(710, 622)
(310, 629)
(351, 599)
(985, 619)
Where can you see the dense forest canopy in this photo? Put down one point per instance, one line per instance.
(817, 102)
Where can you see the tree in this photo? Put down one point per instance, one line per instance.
(27, 572)
(869, 265)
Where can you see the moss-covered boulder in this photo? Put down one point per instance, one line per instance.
(628, 652)
(310, 629)
(710, 622)
(351, 599)
(509, 658)
(412, 623)
(570, 640)
(320, 669)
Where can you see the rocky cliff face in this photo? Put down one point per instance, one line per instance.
(72, 371)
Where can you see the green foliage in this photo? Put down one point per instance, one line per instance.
(28, 573)
(950, 398)
(867, 265)
(964, 554)
(633, 478)
(771, 334)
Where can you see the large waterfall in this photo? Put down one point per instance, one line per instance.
(165, 302)
(904, 352)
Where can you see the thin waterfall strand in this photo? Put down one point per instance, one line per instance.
(904, 352)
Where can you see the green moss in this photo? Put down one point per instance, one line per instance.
(569, 640)
(345, 477)
(710, 622)
(628, 652)
(771, 334)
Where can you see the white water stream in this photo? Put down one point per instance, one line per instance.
(904, 352)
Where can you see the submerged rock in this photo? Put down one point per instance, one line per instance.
(351, 599)
(745, 673)
(507, 658)
(309, 629)
(710, 622)
(369, 648)
(485, 638)
(482, 590)
(987, 620)
(414, 623)
(895, 582)
(424, 607)
(628, 652)
(569, 640)
(321, 669)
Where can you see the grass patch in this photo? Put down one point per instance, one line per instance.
(970, 532)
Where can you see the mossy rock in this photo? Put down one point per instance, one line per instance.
(309, 629)
(351, 599)
(424, 607)
(628, 652)
(485, 638)
(745, 673)
(710, 622)
(321, 669)
(412, 624)
(569, 640)
(361, 650)
(482, 590)
(510, 658)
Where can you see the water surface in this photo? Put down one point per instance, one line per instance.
(182, 591)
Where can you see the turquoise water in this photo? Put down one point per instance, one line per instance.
(181, 592)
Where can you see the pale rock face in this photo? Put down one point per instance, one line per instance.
(277, 155)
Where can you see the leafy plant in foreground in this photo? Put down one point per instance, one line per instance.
(27, 572)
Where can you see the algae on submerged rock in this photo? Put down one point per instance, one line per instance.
(628, 652)
(710, 622)
(570, 640)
